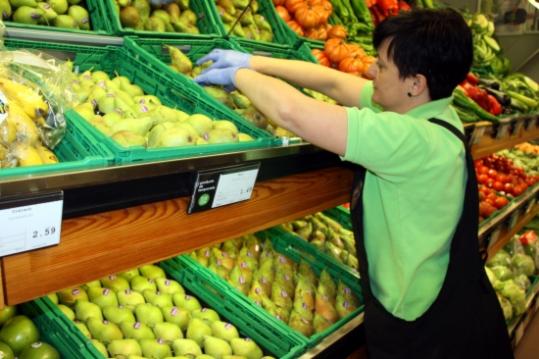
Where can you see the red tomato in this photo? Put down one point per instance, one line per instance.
(517, 190)
(498, 186)
(483, 169)
(486, 209)
(482, 178)
(492, 173)
(490, 183)
(500, 202)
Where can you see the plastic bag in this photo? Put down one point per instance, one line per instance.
(33, 95)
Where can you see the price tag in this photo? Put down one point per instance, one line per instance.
(30, 222)
(222, 186)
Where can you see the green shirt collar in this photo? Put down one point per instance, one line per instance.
(430, 109)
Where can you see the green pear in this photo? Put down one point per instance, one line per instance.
(53, 297)
(137, 331)
(243, 137)
(129, 16)
(112, 118)
(74, 2)
(92, 284)
(107, 103)
(174, 137)
(186, 347)
(169, 286)
(99, 76)
(197, 329)
(124, 347)
(102, 296)
(115, 283)
(157, 349)
(100, 347)
(225, 125)
(6, 313)
(59, 6)
(129, 139)
(167, 331)
(158, 298)
(85, 110)
(155, 23)
(246, 347)
(224, 330)
(218, 136)
(5, 9)
(139, 126)
(201, 123)
(130, 298)
(148, 314)
(185, 125)
(178, 316)
(149, 100)
(65, 21)
(140, 284)
(68, 312)
(129, 274)
(151, 271)
(158, 130)
(206, 314)
(180, 60)
(118, 315)
(80, 15)
(186, 302)
(85, 310)
(69, 296)
(83, 329)
(103, 330)
(27, 15)
(48, 13)
(216, 347)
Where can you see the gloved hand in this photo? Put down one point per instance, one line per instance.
(219, 76)
(160, 2)
(226, 58)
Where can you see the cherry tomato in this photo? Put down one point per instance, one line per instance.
(500, 202)
(492, 173)
(482, 178)
(498, 186)
(517, 190)
(483, 169)
(508, 187)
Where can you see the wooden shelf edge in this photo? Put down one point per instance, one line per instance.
(94, 246)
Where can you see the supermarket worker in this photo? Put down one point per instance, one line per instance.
(415, 199)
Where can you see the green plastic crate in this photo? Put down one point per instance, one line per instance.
(299, 52)
(206, 23)
(123, 61)
(56, 329)
(275, 339)
(76, 151)
(294, 249)
(341, 215)
(97, 24)
(266, 9)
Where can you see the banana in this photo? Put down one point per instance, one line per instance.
(8, 132)
(27, 131)
(47, 156)
(26, 154)
(31, 101)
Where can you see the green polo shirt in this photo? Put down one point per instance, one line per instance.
(413, 198)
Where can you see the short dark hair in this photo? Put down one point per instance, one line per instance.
(434, 43)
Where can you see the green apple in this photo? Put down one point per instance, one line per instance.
(83, 329)
(216, 347)
(103, 330)
(169, 286)
(178, 316)
(129, 274)
(157, 298)
(39, 350)
(137, 331)
(224, 330)
(118, 315)
(115, 283)
(7, 313)
(246, 347)
(186, 347)
(102, 296)
(130, 298)
(85, 310)
(157, 349)
(53, 297)
(5, 351)
(68, 312)
(148, 314)
(151, 271)
(197, 329)
(206, 314)
(19, 332)
(167, 331)
(140, 284)
(69, 296)
(186, 302)
(100, 347)
(124, 347)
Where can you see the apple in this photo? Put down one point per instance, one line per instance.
(152, 348)
(68, 312)
(140, 284)
(115, 283)
(167, 331)
(158, 298)
(118, 315)
(124, 347)
(102, 296)
(178, 316)
(186, 347)
(39, 350)
(186, 302)
(136, 331)
(5, 351)
(69, 296)
(7, 313)
(152, 271)
(169, 286)
(85, 310)
(19, 332)
(130, 298)
(148, 314)
(103, 330)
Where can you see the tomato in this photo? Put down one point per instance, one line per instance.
(483, 179)
(483, 169)
(486, 209)
(492, 173)
(517, 190)
(490, 183)
(498, 186)
(500, 202)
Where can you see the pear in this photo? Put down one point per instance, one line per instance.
(167, 331)
(243, 137)
(168, 286)
(197, 329)
(174, 137)
(156, 24)
(140, 284)
(224, 330)
(48, 13)
(178, 316)
(180, 60)
(100, 347)
(69, 296)
(155, 348)
(65, 21)
(59, 6)
(80, 15)
(186, 302)
(137, 331)
(138, 126)
(19, 3)
(186, 347)
(99, 75)
(130, 298)
(151, 271)
(148, 314)
(124, 348)
(68, 312)
(5, 9)
(83, 329)
(85, 110)
(218, 136)
(129, 139)
(118, 315)
(85, 310)
(104, 330)
(27, 15)
(158, 298)
(102, 296)
(246, 347)
(206, 314)
(216, 347)
(53, 297)
(115, 283)
(129, 16)
(225, 125)
(201, 123)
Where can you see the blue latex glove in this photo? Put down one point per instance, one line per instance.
(160, 2)
(226, 58)
(219, 76)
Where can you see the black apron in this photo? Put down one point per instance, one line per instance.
(465, 320)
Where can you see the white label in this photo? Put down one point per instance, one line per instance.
(30, 227)
(4, 107)
(234, 187)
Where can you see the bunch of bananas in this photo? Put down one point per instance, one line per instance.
(22, 114)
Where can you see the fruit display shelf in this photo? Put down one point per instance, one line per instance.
(518, 326)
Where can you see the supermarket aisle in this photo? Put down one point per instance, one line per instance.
(528, 347)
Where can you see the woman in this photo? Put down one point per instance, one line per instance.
(414, 205)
